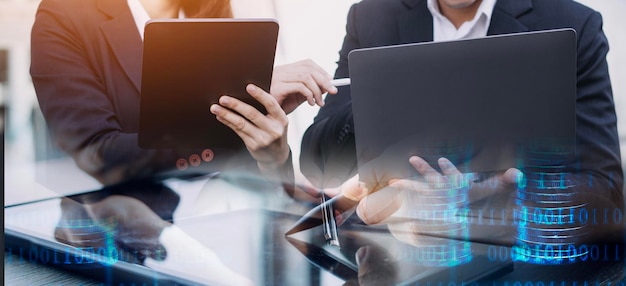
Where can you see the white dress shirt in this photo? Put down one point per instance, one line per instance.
(141, 15)
(444, 30)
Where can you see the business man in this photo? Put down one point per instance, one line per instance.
(328, 151)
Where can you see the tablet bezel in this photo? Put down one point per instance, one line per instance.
(175, 96)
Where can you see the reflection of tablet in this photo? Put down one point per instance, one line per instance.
(187, 65)
(249, 243)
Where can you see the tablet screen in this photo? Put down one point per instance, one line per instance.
(187, 65)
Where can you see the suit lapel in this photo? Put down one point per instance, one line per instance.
(122, 38)
(504, 19)
(416, 24)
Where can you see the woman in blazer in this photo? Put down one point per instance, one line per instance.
(86, 69)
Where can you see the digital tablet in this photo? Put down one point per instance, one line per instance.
(187, 65)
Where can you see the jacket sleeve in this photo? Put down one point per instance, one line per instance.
(78, 105)
(598, 153)
(328, 155)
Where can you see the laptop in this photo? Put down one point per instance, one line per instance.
(187, 65)
(486, 104)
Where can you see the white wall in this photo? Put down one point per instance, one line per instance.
(16, 17)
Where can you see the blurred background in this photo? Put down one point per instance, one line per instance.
(309, 30)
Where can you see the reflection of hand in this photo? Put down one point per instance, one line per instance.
(131, 224)
(265, 136)
(188, 258)
(115, 219)
(137, 226)
(298, 82)
(430, 206)
(376, 266)
(168, 248)
(379, 206)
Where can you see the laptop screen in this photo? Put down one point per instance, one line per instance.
(482, 103)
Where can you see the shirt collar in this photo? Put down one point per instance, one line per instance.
(141, 15)
(485, 8)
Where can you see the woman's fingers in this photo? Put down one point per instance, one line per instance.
(265, 135)
(233, 120)
(267, 100)
(246, 120)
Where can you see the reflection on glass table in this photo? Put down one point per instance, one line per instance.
(231, 231)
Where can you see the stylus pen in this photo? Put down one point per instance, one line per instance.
(329, 222)
(340, 81)
(324, 259)
(341, 209)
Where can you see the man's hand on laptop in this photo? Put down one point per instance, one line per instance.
(406, 194)
(409, 206)
(295, 83)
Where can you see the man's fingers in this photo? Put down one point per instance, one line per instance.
(380, 205)
(407, 185)
(353, 189)
(285, 90)
(429, 173)
(321, 76)
(453, 174)
(512, 176)
(306, 73)
(317, 84)
(502, 182)
(448, 168)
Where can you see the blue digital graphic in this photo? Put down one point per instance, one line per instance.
(95, 241)
(437, 211)
(551, 222)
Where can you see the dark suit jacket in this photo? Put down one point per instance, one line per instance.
(328, 145)
(86, 69)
